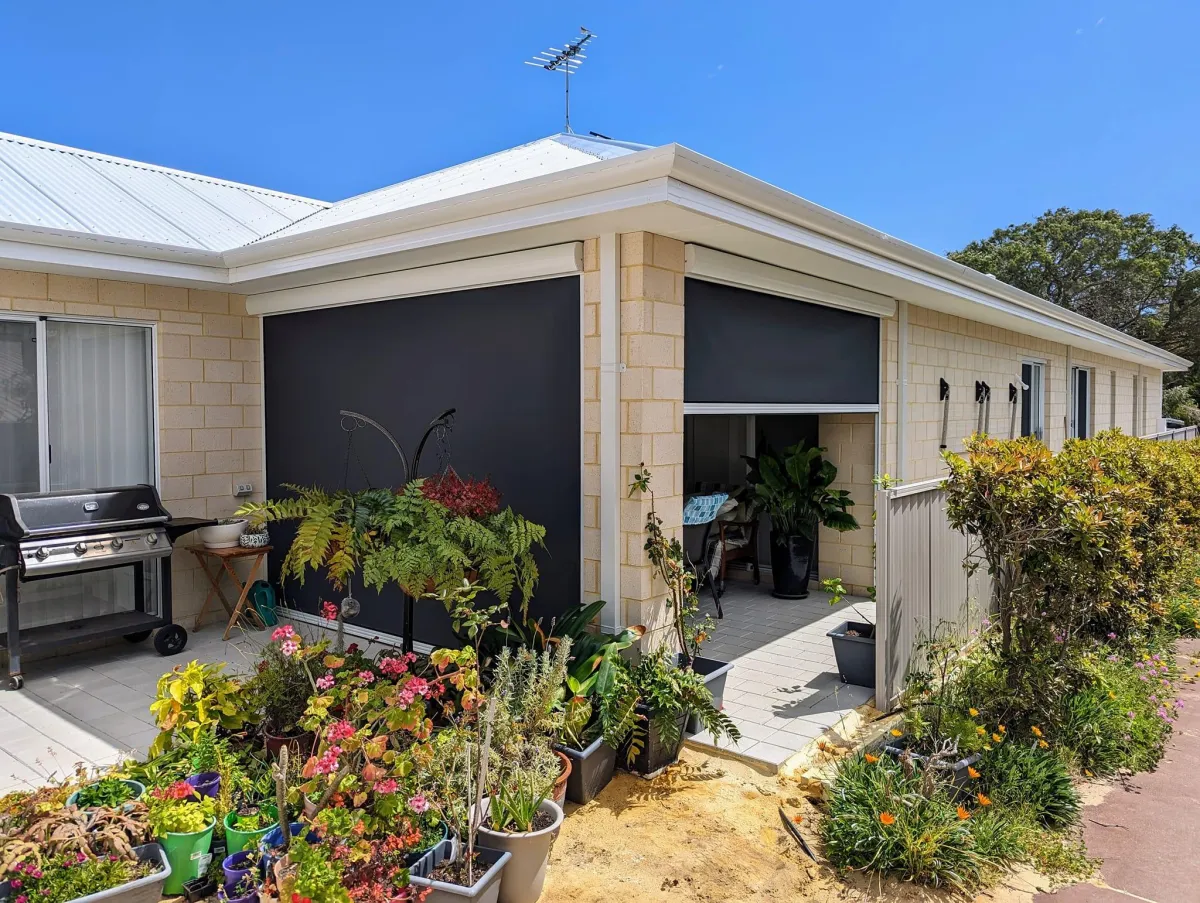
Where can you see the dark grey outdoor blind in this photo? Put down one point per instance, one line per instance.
(506, 357)
(742, 346)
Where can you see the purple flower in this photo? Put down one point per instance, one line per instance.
(1113, 658)
(1132, 715)
(1154, 697)
(1139, 665)
(1112, 636)
(1179, 703)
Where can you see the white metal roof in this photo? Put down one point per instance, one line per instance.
(538, 158)
(63, 189)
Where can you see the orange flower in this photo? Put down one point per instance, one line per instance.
(983, 800)
(972, 772)
(896, 732)
(797, 818)
(1043, 744)
(974, 712)
(996, 738)
(887, 818)
(871, 760)
(963, 814)
(1036, 731)
(1003, 729)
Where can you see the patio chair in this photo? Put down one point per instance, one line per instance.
(736, 539)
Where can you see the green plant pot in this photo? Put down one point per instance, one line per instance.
(236, 841)
(189, 857)
(137, 787)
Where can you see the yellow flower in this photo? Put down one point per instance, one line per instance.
(870, 758)
(980, 731)
(987, 747)
(1086, 772)
(974, 712)
(1036, 731)
(896, 732)
(1043, 744)
(1112, 695)
(887, 818)
(996, 738)
(1003, 729)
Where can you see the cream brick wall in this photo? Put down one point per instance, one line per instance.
(849, 440)
(963, 351)
(209, 416)
(651, 413)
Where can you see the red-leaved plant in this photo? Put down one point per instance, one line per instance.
(464, 498)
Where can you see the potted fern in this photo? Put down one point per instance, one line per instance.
(794, 489)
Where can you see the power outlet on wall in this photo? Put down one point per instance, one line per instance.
(243, 489)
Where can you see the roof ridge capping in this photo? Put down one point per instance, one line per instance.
(154, 167)
(707, 174)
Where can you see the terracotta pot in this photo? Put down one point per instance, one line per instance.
(559, 793)
(298, 745)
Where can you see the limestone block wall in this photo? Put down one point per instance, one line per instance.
(210, 398)
(849, 440)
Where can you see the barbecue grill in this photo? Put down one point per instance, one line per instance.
(48, 534)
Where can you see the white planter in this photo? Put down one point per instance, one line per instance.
(223, 536)
(526, 872)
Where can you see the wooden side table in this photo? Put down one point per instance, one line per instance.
(224, 562)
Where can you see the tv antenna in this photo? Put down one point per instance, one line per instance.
(566, 59)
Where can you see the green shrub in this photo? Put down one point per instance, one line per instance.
(925, 841)
(1017, 775)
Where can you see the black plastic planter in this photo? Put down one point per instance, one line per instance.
(714, 673)
(791, 560)
(855, 654)
(655, 754)
(591, 770)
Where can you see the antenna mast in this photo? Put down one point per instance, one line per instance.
(566, 59)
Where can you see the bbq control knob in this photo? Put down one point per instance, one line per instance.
(117, 543)
(42, 554)
(151, 539)
(81, 548)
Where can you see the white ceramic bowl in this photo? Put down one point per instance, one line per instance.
(223, 536)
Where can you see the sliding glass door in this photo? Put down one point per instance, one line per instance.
(77, 412)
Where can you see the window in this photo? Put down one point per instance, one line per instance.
(1081, 403)
(1032, 408)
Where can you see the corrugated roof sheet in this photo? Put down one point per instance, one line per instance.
(62, 188)
(546, 155)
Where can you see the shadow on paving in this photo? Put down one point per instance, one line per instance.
(1147, 830)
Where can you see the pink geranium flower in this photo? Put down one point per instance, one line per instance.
(325, 682)
(283, 633)
(418, 804)
(338, 731)
(367, 677)
(289, 647)
(388, 785)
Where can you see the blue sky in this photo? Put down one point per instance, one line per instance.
(934, 121)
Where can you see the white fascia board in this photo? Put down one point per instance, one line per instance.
(829, 232)
(298, 250)
(74, 261)
(598, 203)
(518, 266)
(1060, 324)
(728, 269)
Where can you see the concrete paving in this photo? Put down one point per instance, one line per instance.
(784, 690)
(1148, 831)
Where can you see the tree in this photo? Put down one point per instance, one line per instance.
(1122, 271)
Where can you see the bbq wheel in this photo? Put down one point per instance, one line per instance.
(170, 640)
(139, 636)
(16, 682)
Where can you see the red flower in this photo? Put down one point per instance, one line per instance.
(329, 611)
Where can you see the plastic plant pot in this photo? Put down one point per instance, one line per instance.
(714, 673)
(237, 865)
(855, 654)
(207, 783)
(143, 890)
(137, 787)
(656, 754)
(226, 895)
(189, 857)
(525, 875)
(270, 841)
(237, 840)
(486, 888)
(591, 770)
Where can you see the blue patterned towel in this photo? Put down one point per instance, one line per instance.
(701, 509)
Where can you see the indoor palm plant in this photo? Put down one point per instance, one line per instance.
(794, 489)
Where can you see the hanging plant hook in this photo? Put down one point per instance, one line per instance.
(360, 420)
(443, 421)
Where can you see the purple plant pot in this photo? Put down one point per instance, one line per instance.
(238, 865)
(207, 783)
(225, 895)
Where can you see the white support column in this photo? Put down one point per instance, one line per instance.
(901, 392)
(610, 431)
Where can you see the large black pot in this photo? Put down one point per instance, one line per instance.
(791, 561)
(656, 754)
(591, 770)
